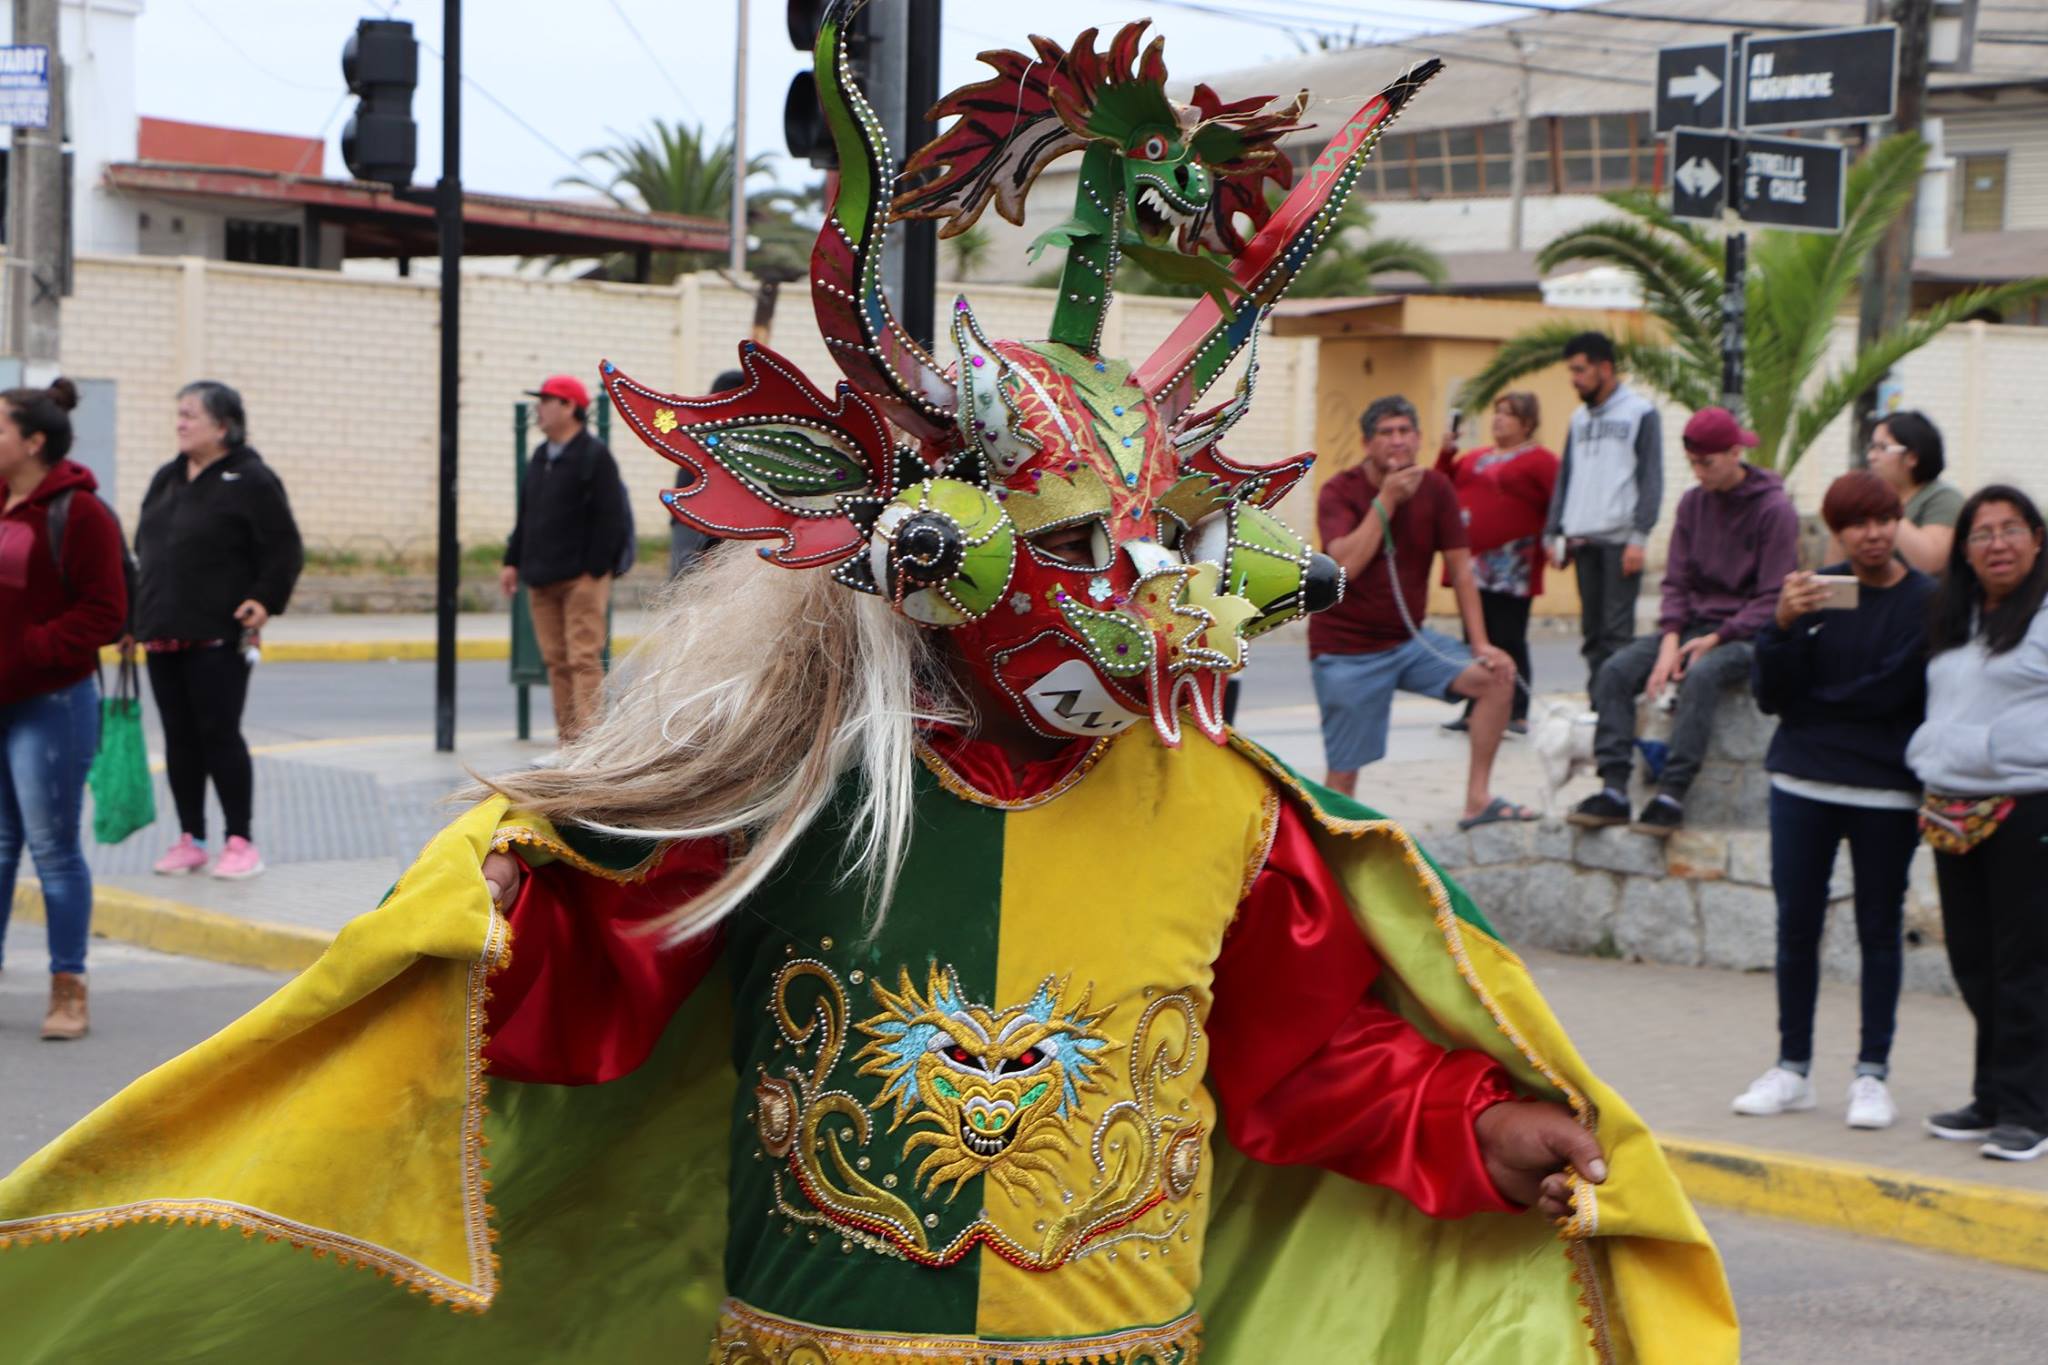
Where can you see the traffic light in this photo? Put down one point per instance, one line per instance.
(803, 118)
(381, 65)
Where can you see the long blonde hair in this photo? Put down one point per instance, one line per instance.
(755, 690)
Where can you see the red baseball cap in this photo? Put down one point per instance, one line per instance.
(568, 388)
(1713, 430)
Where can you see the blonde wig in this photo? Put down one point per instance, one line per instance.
(754, 692)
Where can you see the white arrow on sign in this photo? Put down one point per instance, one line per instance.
(1701, 85)
(1698, 178)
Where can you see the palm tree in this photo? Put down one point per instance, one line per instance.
(669, 169)
(1796, 286)
(970, 251)
(1348, 265)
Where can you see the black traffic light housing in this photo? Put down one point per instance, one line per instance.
(381, 64)
(803, 118)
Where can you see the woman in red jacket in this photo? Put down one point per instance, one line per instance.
(1504, 490)
(61, 598)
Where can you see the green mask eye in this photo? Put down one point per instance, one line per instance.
(944, 551)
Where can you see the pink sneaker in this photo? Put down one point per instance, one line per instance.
(186, 856)
(238, 860)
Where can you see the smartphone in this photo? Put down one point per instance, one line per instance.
(1844, 592)
(1457, 422)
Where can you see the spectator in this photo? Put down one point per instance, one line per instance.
(1849, 687)
(62, 596)
(1384, 520)
(1610, 484)
(1983, 754)
(1504, 491)
(1734, 540)
(1905, 451)
(565, 548)
(686, 544)
(219, 554)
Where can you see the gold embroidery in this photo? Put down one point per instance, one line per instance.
(747, 1336)
(960, 787)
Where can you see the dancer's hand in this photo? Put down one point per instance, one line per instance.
(502, 874)
(1527, 1148)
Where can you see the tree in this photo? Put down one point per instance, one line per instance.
(970, 251)
(1796, 287)
(669, 169)
(1349, 264)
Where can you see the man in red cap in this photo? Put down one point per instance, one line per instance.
(1734, 540)
(570, 541)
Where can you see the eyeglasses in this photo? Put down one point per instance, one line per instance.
(2012, 533)
(1885, 448)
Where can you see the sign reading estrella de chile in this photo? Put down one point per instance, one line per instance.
(25, 85)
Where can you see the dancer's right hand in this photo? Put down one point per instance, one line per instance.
(502, 873)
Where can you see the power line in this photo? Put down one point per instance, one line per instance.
(648, 48)
(243, 52)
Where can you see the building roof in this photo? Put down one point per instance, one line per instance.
(1582, 61)
(378, 223)
(203, 144)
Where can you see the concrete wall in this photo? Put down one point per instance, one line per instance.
(339, 374)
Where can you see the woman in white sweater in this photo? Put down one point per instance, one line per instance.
(1983, 753)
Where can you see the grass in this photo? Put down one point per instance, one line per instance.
(479, 560)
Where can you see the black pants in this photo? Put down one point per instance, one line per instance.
(1507, 628)
(1607, 603)
(199, 695)
(1623, 679)
(1994, 909)
(1804, 837)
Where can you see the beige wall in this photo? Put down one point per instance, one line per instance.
(339, 374)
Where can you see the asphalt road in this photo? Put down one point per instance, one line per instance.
(1806, 1296)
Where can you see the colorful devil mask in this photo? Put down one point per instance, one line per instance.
(1070, 518)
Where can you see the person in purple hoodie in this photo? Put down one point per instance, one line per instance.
(1734, 541)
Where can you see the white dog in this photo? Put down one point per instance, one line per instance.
(1563, 738)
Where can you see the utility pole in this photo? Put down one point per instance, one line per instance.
(1735, 247)
(37, 213)
(448, 218)
(903, 85)
(1887, 299)
(1518, 142)
(739, 147)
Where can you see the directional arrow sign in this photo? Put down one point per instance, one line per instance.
(1790, 183)
(1699, 189)
(1692, 87)
(1842, 75)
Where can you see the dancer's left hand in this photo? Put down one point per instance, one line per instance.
(1527, 1146)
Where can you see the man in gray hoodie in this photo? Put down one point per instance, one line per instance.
(1609, 489)
(1735, 538)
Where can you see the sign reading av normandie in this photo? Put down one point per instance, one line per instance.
(25, 85)
(1841, 75)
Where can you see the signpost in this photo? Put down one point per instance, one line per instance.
(1711, 98)
(25, 85)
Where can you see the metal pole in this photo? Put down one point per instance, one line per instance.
(449, 219)
(739, 146)
(1887, 298)
(917, 308)
(1518, 143)
(1735, 266)
(36, 239)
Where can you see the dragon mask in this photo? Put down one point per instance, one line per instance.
(1071, 518)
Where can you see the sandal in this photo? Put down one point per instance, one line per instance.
(1500, 810)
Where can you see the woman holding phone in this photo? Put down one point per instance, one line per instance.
(1843, 667)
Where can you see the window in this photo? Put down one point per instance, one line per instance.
(1590, 153)
(253, 243)
(1983, 192)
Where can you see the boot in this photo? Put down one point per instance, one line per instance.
(68, 1017)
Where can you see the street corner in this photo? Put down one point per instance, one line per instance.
(169, 926)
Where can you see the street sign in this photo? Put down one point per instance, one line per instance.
(1699, 179)
(1842, 75)
(1783, 182)
(1692, 86)
(25, 86)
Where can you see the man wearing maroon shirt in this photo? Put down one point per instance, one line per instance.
(1373, 643)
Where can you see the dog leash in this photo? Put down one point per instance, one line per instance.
(1401, 603)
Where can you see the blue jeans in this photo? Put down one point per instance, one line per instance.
(46, 749)
(1804, 836)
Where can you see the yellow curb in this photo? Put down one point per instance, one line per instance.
(1987, 1222)
(188, 930)
(378, 651)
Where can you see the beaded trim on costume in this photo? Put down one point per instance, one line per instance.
(747, 1336)
(1585, 1219)
(966, 791)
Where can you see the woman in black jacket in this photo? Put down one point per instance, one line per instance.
(219, 553)
(1848, 686)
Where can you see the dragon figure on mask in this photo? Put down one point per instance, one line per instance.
(882, 978)
(1174, 559)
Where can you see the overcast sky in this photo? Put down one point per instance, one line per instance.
(575, 72)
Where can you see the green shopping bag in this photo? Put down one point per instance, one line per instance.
(123, 795)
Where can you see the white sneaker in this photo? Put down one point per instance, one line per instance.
(1870, 1104)
(1777, 1091)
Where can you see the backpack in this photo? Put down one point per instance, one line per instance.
(57, 515)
